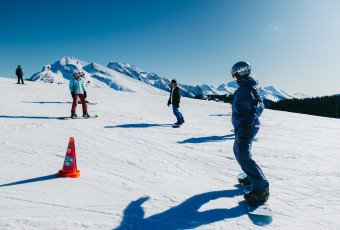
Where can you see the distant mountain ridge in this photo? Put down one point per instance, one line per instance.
(115, 76)
(95, 76)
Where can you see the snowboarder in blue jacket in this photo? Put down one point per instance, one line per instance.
(246, 110)
(77, 89)
(174, 99)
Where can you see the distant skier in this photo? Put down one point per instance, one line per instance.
(246, 110)
(19, 74)
(77, 89)
(174, 99)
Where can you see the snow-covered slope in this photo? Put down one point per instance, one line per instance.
(137, 172)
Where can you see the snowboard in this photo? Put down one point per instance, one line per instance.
(259, 209)
(88, 103)
(70, 118)
(177, 126)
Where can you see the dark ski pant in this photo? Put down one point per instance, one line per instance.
(177, 114)
(20, 78)
(242, 151)
(75, 103)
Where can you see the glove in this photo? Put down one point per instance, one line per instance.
(85, 95)
(72, 93)
(245, 127)
(168, 104)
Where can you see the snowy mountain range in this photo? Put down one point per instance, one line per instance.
(120, 76)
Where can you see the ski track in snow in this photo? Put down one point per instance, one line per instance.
(137, 172)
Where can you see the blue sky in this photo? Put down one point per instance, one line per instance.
(291, 44)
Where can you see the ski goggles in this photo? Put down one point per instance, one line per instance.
(241, 70)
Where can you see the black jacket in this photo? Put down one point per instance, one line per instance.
(18, 72)
(175, 95)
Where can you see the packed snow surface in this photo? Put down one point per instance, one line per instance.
(137, 172)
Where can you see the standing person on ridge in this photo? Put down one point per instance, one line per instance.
(174, 99)
(77, 89)
(19, 74)
(246, 110)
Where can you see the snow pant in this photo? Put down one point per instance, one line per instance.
(20, 78)
(177, 114)
(75, 103)
(242, 151)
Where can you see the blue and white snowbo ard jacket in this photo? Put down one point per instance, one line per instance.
(247, 106)
(77, 85)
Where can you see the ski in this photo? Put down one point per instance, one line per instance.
(259, 209)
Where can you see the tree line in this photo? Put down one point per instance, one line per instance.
(226, 99)
(327, 106)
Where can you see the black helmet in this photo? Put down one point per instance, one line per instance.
(174, 81)
(241, 69)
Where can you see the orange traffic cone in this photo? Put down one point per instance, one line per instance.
(70, 163)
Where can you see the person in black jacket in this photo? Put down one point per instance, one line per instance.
(19, 74)
(174, 99)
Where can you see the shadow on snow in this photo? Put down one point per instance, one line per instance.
(43, 178)
(183, 216)
(29, 117)
(141, 125)
(208, 139)
(47, 102)
(56, 102)
(220, 115)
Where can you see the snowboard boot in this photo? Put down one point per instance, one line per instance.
(178, 123)
(244, 181)
(256, 197)
(73, 115)
(86, 115)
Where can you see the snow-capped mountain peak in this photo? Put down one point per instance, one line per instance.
(126, 69)
(228, 88)
(115, 76)
(273, 94)
(96, 75)
(71, 61)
